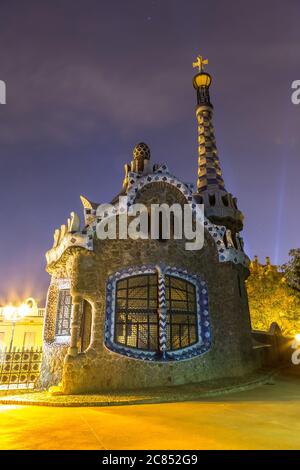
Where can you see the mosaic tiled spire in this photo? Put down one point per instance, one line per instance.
(209, 170)
(220, 206)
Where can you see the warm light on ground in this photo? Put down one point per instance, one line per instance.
(267, 417)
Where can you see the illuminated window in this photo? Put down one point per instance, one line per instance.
(181, 313)
(63, 318)
(157, 315)
(29, 340)
(136, 323)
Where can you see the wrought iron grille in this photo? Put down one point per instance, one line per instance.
(63, 318)
(181, 313)
(19, 368)
(136, 323)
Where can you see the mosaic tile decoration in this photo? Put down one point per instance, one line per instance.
(61, 283)
(79, 239)
(217, 232)
(161, 174)
(204, 331)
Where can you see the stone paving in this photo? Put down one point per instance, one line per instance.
(266, 417)
(156, 395)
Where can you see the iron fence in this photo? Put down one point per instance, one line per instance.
(19, 368)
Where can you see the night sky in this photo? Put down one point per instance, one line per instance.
(88, 79)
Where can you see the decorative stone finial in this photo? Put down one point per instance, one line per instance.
(125, 180)
(74, 223)
(56, 237)
(200, 62)
(85, 202)
(202, 81)
(141, 152)
(141, 156)
(63, 231)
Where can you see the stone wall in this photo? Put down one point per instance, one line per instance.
(274, 349)
(52, 365)
(54, 350)
(98, 368)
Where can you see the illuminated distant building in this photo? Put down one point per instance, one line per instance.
(23, 332)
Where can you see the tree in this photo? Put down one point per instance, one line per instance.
(271, 299)
(292, 270)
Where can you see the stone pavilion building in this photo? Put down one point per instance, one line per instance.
(136, 313)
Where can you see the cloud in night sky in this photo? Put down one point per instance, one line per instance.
(88, 79)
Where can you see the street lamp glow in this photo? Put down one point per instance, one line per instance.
(23, 310)
(297, 337)
(9, 312)
(12, 313)
(15, 314)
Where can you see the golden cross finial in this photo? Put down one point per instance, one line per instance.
(200, 63)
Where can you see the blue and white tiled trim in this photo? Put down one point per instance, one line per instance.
(161, 174)
(204, 331)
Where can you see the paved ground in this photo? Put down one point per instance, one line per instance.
(265, 418)
(182, 393)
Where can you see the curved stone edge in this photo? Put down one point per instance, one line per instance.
(161, 175)
(177, 394)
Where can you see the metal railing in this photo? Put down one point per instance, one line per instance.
(20, 368)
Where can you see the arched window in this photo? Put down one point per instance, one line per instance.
(212, 199)
(160, 314)
(181, 313)
(136, 320)
(85, 326)
(63, 316)
(225, 200)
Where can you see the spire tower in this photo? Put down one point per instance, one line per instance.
(220, 206)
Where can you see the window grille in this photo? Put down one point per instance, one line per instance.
(63, 318)
(181, 313)
(137, 322)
